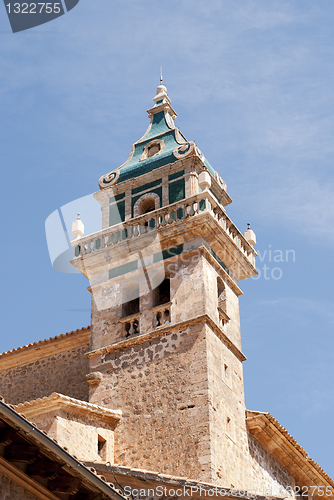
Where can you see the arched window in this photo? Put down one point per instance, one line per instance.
(146, 203)
(130, 299)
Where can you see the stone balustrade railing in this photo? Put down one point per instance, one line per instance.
(161, 315)
(190, 207)
(131, 324)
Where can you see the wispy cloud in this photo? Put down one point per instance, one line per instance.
(300, 306)
(251, 68)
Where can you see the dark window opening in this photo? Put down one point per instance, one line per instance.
(131, 307)
(147, 205)
(153, 150)
(130, 299)
(101, 447)
(162, 293)
(221, 290)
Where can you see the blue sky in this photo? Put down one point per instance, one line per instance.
(252, 83)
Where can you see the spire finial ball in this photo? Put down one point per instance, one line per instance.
(161, 89)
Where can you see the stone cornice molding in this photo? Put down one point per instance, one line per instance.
(56, 401)
(171, 327)
(192, 165)
(279, 443)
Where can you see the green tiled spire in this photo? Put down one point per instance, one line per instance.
(162, 144)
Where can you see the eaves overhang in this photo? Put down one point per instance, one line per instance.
(285, 449)
(22, 445)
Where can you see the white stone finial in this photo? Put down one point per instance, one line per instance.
(250, 236)
(204, 180)
(161, 89)
(78, 228)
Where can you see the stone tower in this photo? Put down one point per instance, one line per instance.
(165, 334)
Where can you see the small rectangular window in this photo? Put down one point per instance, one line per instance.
(229, 428)
(226, 372)
(101, 447)
(161, 294)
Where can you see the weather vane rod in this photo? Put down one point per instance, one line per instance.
(161, 75)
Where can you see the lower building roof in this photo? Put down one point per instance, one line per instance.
(30, 458)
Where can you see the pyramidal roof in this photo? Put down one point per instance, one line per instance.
(162, 144)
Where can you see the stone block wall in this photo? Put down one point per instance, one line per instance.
(37, 372)
(186, 291)
(161, 387)
(227, 414)
(79, 434)
(266, 473)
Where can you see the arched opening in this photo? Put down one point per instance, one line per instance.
(153, 149)
(147, 205)
(130, 299)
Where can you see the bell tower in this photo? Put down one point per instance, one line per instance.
(165, 329)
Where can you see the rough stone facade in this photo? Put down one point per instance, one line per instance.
(181, 391)
(79, 434)
(161, 386)
(266, 473)
(41, 373)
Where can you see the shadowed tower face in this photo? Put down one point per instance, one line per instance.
(164, 275)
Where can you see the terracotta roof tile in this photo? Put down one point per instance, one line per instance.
(292, 440)
(21, 407)
(42, 342)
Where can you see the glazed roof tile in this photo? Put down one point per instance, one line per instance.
(161, 128)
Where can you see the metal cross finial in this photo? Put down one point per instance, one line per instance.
(161, 75)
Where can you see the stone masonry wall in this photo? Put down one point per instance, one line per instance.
(161, 388)
(227, 414)
(10, 490)
(79, 433)
(267, 475)
(186, 290)
(63, 373)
